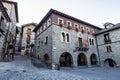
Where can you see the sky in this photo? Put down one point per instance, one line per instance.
(96, 12)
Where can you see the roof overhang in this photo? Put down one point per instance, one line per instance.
(52, 11)
(16, 8)
(4, 12)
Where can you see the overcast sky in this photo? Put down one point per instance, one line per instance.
(96, 12)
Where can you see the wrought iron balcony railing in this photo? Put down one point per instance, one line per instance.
(107, 40)
(82, 48)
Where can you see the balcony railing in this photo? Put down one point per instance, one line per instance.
(82, 48)
(107, 40)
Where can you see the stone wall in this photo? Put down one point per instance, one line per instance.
(115, 45)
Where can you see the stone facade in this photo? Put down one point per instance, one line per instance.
(58, 43)
(109, 56)
(27, 35)
(10, 29)
(4, 20)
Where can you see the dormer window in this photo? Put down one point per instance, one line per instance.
(60, 22)
(69, 25)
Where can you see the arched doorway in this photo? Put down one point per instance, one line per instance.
(82, 60)
(110, 62)
(93, 59)
(46, 59)
(66, 60)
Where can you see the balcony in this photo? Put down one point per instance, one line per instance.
(107, 41)
(2, 26)
(82, 48)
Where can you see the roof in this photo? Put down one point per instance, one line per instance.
(24, 25)
(4, 12)
(64, 15)
(117, 26)
(16, 8)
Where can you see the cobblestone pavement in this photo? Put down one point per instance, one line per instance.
(22, 69)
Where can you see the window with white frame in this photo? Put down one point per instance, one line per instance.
(63, 36)
(48, 22)
(45, 26)
(88, 30)
(76, 25)
(60, 21)
(82, 29)
(69, 24)
(67, 36)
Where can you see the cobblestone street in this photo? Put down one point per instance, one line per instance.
(22, 69)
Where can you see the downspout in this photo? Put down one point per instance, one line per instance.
(98, 51)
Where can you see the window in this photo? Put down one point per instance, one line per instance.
(67, 37)
(60, 22)
(107, 38)
(93, 32)
(88, 30)
(28, 31)
(80, 41)
(44, 26)
(46, 40)
(48, 22)
(108, 48)
(1, 20)
(92, 42)
(69, 25)
(63, 37)
(82, 29)
(38, 32)
(76, 27)
(39, 43)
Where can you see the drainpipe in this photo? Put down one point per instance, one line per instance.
(98, 50)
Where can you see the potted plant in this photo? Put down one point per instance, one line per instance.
(93, 33)
(82, 30)
(60, 24)
(76, 29)
(69, 27)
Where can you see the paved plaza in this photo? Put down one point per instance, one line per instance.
(22, 69)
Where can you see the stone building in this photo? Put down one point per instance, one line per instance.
(63, 40)
(108, 41)
(27, 35)
(18, 39)
(4, 21)
(10, 32)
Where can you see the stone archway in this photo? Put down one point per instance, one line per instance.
(93, 59)
(82, 60)
(66, 60)
(46, 59)
(110, 62)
